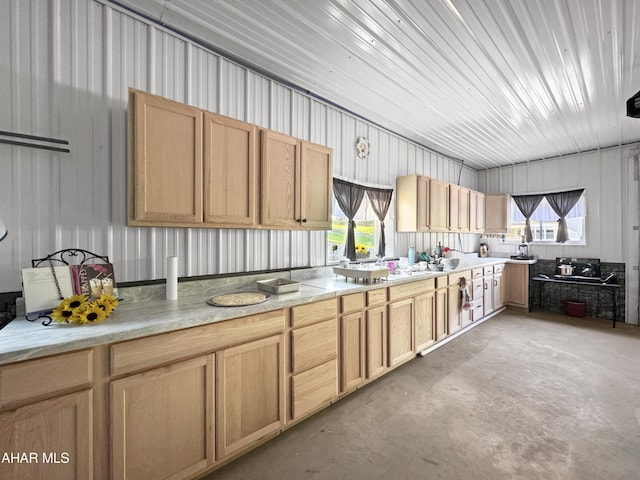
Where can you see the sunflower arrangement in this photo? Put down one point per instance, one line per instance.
(361, 251)
(78, 309)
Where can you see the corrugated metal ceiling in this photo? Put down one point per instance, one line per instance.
(490, 82)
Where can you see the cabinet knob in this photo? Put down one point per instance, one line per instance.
(304, 220)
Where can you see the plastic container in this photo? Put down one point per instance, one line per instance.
(412, 256)
(575, 308)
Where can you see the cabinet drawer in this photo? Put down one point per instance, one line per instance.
(143, 353)
(442, 281)
(312, 389)
(411, 289)
(488, 270)
(454, 278)
(313, 312)
(477, 309)
(477, 272)
(43, 377)
(498, 268)
(376, 297)
(351, 303)
(313, 345)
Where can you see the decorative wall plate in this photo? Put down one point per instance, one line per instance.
(362, 147)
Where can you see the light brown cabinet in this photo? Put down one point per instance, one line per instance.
(425, 204)
(352, 341)
(296, 183)
(487, 298)
(165, 175)
(249, 393)
(377, 342)
(192, 168)
(441, 312)
(163, 421)
(516, 285)
(422, 204)
(498, 291)
(314, 357)
(438, 206)
(230, 172)
(459, 205)
(424, 313)
(47, 407)
(497, 213)
(476, 212)
(400, 333)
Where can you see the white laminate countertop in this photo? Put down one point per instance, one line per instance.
(138, 316)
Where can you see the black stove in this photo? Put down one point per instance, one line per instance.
(582, 270)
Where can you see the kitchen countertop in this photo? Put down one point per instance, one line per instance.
(141, 314)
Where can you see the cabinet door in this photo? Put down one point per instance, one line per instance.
(476, 212)
(376, 341)
(352, 345)
(59, 432)
(423, 204)
(496, 213)
(488, 294)
(163, 421)
(316, 186)
(400, 331)
(498, 298)
(280, 194)
(424, 310)
(438, 206)
(250, 393)
(166, 162)
(441, 313)
(454, 321)
(464, 201)
(230, 162)
(454, 207)
(516, 285)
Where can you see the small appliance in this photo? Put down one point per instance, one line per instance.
(484, 250)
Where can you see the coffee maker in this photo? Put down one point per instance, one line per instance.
(484, 250)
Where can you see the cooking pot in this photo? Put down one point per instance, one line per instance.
(566, 269)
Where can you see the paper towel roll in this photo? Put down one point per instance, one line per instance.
(172, 278)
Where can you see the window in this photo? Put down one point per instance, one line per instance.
(544, 223)
(366, 233)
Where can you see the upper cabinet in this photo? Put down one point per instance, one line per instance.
(496, 213)
(230, 172)
(192, 168)
(476, 212)
(296, 183)
(428, 205)
(165, 178)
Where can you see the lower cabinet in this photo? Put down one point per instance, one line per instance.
(441, 308)
(314, 357)
(400, 331)
(516, 285)
(457, 316)
(162, 421)
(53, 439)
(352, 351)
(47, 418)
(498, 292)
(249, 393)
(376, 334)
(424, 331)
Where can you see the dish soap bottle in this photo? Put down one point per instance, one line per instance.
(412, 256)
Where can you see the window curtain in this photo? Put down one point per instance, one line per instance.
(562, 203)
(349, 197)
(380, 202)
(527, 205)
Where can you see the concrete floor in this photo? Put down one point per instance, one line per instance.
(521, 396)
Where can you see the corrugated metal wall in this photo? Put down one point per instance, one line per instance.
(67, 66)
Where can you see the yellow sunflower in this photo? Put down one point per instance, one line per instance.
(107, 303)
(66, 311)
(91, 313)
